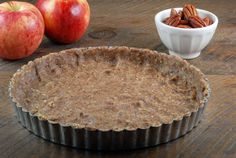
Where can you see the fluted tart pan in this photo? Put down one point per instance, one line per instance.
(86, 130)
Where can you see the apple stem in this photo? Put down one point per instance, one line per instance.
(13, 6)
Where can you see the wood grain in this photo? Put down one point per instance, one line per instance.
(131, 23)
(214, 137)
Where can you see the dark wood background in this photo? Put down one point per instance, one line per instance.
(131, 23)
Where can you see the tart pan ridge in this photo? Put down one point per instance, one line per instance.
(112, 139)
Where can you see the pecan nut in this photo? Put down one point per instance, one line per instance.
(196, 22)
(189, 10)
(173, 12)
(208, 21)
(183, 26)
(166, 20)
(183, 22)
(181, 14)
(187, 18)
(174, 20)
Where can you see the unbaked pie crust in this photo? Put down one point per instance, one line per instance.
(109, 90)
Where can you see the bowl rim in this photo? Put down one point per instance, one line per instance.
(212, 26)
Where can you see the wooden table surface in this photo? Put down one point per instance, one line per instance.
(131, 23)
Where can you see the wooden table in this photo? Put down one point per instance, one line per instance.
(131, 23)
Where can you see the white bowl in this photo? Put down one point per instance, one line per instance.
(186, 43)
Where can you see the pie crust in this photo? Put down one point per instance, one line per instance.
(109, 91)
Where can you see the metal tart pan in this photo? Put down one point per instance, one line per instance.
(107, 140)
(95, 139)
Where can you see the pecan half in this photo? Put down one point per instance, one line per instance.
(189, 10)
(183, 26)
(208, 21)
(196, 22)
(187, 18)
(173, 12)
(181, 14)
(166, 20)
(174, 20)
(183, 22)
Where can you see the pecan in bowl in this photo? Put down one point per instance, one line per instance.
(188, 17)
(186, 31)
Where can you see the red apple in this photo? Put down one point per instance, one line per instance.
(65, 20)
(21, 29)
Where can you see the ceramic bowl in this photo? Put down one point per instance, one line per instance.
(186, 43)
